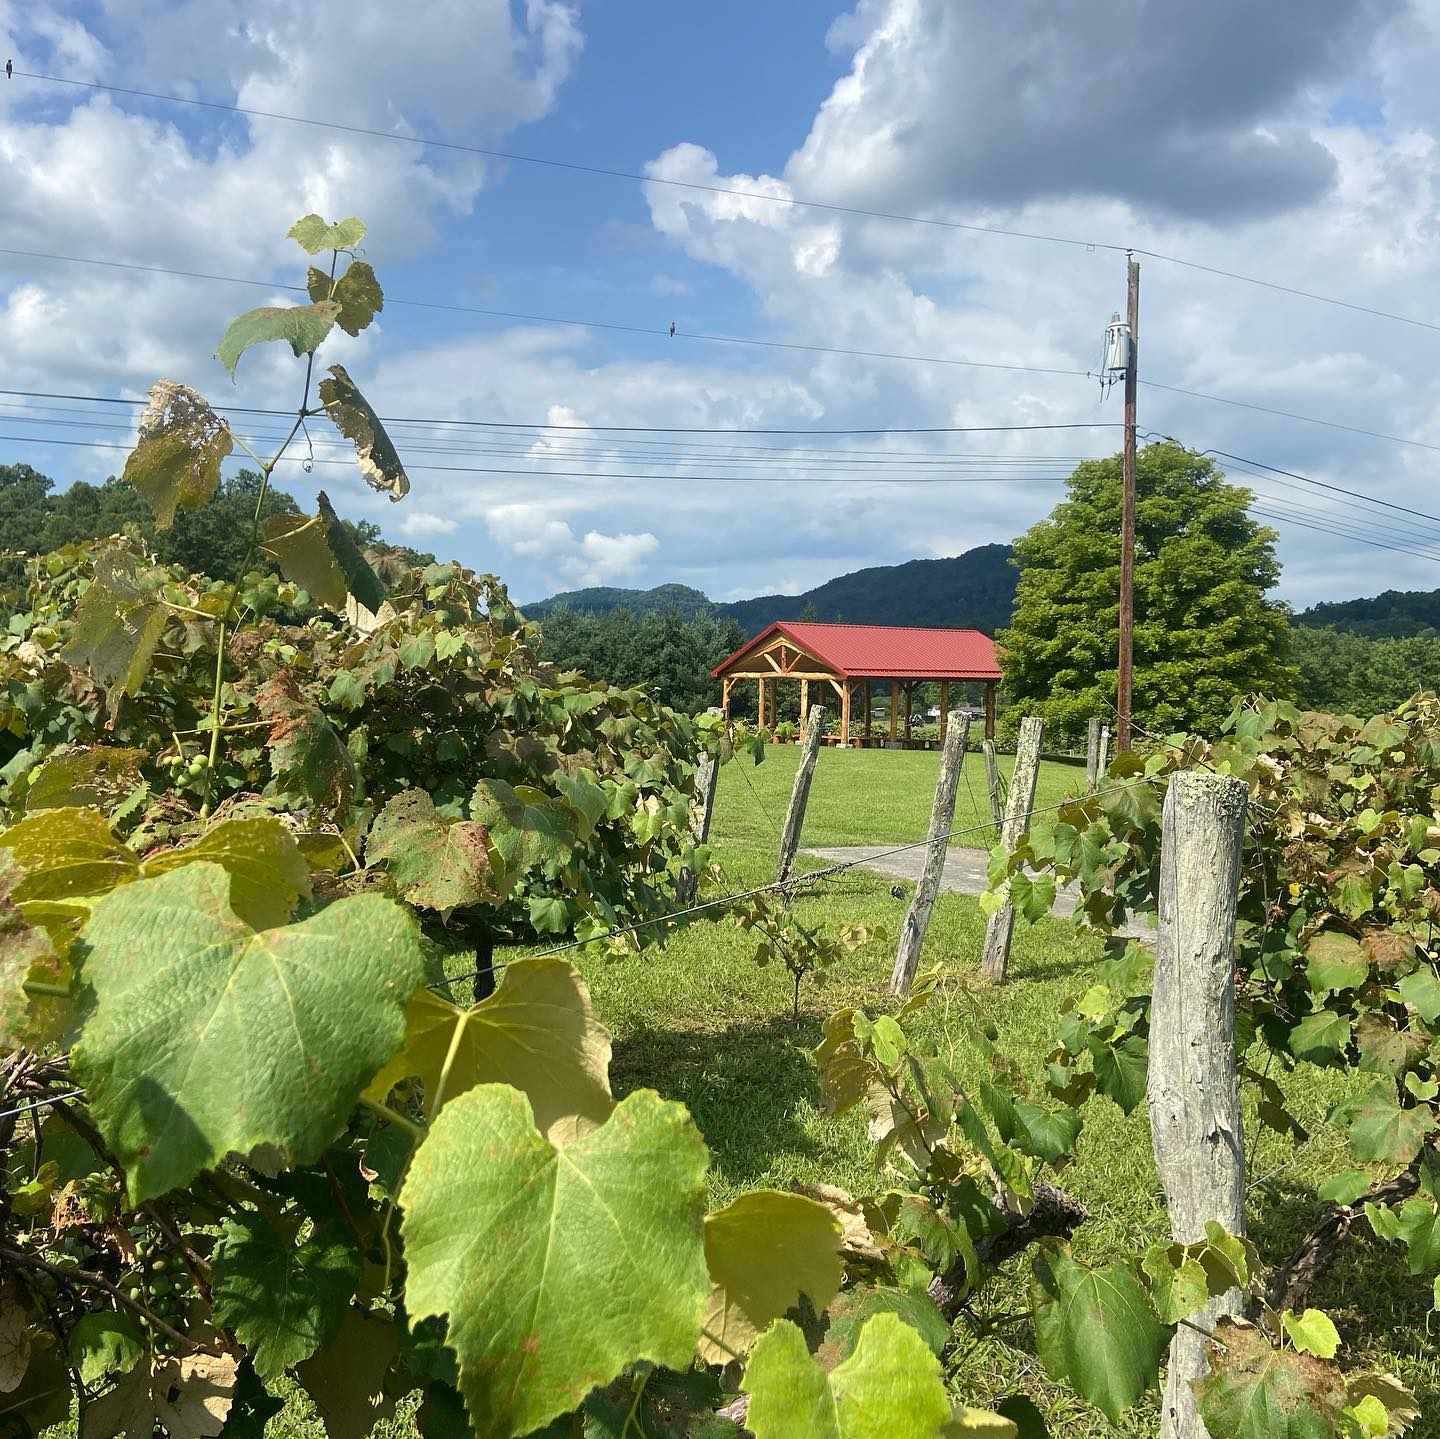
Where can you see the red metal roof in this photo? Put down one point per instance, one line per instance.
(885, 651)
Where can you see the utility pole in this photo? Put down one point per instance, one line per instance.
(1127, 514)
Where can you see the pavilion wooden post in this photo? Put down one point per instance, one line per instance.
(992, 782)
(944, 709)
(995, 958)
(707, 775)
(800, 795)
(942, 820)
(909, 706)
(1092, 754)
(869, 706)
(989, 709)
(725, 697)
(845, 714)
(1193, 1089)
(804, 703)
(894, 709)
(760, 704)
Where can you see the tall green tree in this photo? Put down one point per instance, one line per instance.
(1204, 631)
(1355, 674)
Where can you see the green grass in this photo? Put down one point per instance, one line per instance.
(870, 796)
(699, 1022)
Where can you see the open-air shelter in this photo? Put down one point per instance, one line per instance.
(851, 659)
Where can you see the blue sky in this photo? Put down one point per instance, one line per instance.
(1297, 144)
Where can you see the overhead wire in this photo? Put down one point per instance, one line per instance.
(792, 201)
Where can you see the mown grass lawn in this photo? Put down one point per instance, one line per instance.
(699, 1022)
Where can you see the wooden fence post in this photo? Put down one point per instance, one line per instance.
(942, 818)
(800, 794)
(1103, 763)
(992, 781)
(995, 957)
(1092, 755)
(1193, 1088)
(707, 776)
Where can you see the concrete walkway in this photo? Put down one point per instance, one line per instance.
(964, 873)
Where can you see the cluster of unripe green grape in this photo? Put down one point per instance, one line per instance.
(186, 771)
(159, 1280)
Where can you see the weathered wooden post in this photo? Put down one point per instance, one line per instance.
(800, 794)
(942, 818)
(1092, 755)
(1104, 761)
(707, 775)
(1193, 1089)
(995, 957)
(992, 781)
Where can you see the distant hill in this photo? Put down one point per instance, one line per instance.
(605, 599)
(975, 590)
(1393, 615)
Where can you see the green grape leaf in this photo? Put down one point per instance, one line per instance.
(1399, 1402)
(104, 1343)
(357, 292)
(1312, 1332)
(1421, 991)
(281, 1300)
(528, 828)
(764, 1250)
(537, 1032)
(313, 234)
(1255, 1392)
(1345, 1187)
(306, 755)
(1095, 1328)
(302, 327)
(268, 874)
(599, 1247)
(1386, 1049)
(26, 956)
(1419, 1231)
(851, 1309)
(117, 628)
(374, 452)
(550, 914)
(889, 1388)
(253, 1406)
(206, 1038)
(98, 776)
(1320, 1038)
(1379, 1130)
(298, 544)
(1177, 1282)
(346, 1379)
(176, 460)
(360, 579)
(436, 863)
(1121, 1069)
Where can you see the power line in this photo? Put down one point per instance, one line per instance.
(746, 341)
(1344, 534)
(1322, 484)
(795, 202)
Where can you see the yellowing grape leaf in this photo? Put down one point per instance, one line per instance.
(764, 1251)
(268, 874)
(314, 234)
(307, 757)
(1255, 1392)
(436, 863)
(181, 446)
(297, 543)
(528, 828)
(302, 327)
(117, 628)
(357, 292)
(206, 1038)
(377, 457)
(190, 1398)
(26, 956)
(555, 1269)
(889, 1388)
(66, 854)
(96, 775)
(537, 1032)
(1312, 1332)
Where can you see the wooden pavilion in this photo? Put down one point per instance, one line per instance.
(852, 659)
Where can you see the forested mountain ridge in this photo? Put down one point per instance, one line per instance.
(974, 590)
(1395, 614)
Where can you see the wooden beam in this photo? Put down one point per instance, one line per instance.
(942, 817)
(725, 697)
(804, 703)
(944, 709)
(845, 715)
(770, 675)
(836, 686)
(760, 704)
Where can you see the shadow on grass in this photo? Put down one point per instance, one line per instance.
(744, 1084)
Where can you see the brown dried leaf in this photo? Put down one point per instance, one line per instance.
(376, 455)
(14, 1335)
(190, 1398)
